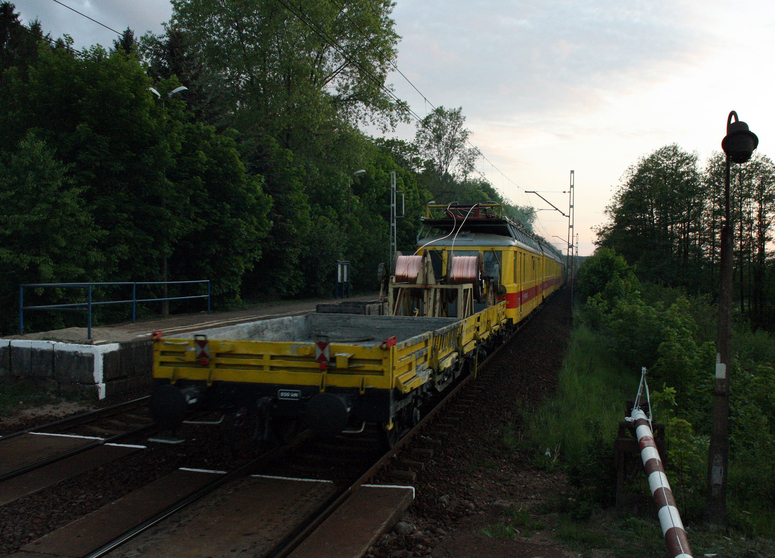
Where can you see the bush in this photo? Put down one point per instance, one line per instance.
(599, 271)
(664, 336)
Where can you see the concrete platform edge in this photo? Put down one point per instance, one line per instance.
(368, 513)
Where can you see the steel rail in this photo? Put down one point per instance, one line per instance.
(76, 421)
(289, 543)
(71, 453)
(83, 418)
(240, 471)
(293, 540)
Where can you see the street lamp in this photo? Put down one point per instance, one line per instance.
(738, 145)
(170, 94)
(165, 304)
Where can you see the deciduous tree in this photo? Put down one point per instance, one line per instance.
(292, 67)
(442, 143)
(46, 232)
(655, 216)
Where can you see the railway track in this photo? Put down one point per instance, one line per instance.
(350, 461)
(35, 448)
(190, 499)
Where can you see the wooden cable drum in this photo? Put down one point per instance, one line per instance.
(407, 269)
(466, 269)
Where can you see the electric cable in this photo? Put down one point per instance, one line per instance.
(426, 100)
(87, 17)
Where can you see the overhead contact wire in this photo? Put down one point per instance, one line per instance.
(397, 69)
(87, 17)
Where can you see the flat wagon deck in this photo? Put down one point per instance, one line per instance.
(330, 369)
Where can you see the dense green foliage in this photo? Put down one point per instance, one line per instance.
(626, 325)
(225, 149)
(666, 220)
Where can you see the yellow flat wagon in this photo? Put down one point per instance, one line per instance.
(334, 371)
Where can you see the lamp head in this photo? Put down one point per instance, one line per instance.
(177, 90)
(739, 143)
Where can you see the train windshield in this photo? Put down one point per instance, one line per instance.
(492, 264)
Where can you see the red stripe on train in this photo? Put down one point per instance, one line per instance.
(513, 299)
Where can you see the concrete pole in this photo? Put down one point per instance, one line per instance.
(715, 515)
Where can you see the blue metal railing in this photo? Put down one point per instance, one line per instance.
(90, 303)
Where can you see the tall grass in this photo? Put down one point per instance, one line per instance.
(591, 400)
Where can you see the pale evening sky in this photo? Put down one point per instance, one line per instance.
(550, 86)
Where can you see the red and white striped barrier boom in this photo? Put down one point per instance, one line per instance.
(669, 518)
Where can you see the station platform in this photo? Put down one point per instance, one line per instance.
(119, 358)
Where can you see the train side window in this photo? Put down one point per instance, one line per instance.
(515, 255)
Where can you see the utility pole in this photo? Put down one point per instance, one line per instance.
(738, 145)
(571, 225)
(394, 215)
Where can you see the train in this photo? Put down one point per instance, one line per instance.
(474, 277)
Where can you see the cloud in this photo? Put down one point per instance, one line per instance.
(546, 54)
(118, 15)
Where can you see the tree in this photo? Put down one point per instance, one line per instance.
(752, 201)
(525, 215)
(441, 141)
(654, 217)
(763, 208)
(226, 212)
(119, 144)
(600, 269)
(46, 233)
(713, 216)
(292, 68)
(281, 271)
(157, 187)
(126, 43)
(667, 218)
(174, 56)
(18, 43)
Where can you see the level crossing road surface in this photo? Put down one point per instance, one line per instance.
(181, 323)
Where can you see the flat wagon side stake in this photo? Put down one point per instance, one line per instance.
(669, 518)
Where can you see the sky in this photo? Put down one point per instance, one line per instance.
(550, 86)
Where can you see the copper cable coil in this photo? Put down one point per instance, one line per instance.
(464, 269)
(407, 269)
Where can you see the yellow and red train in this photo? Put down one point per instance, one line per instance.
(514, 265)
(474, 277)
